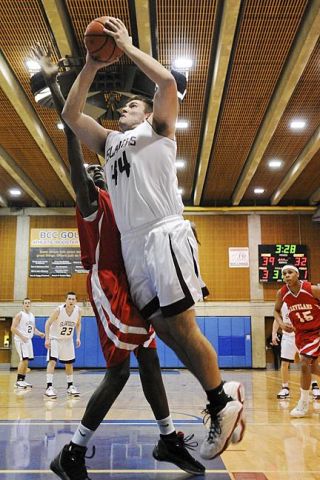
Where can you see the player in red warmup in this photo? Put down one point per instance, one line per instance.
(303, 301)
(121, 327)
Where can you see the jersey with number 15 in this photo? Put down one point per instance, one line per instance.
(303, 308)
(63, 327)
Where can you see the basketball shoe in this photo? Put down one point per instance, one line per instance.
(301, 410)
(73, 391)
(70, 463)
(174, 450)
(50, 393)
(222, 425)
(22, 384)
(315, 391)
(236, 391)
(284, 393)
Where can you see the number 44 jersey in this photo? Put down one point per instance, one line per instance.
(141, 176)
(63, 327)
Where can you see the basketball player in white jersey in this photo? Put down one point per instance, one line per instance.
(158, 246)
(60, 328)
(288, 354)
(23, 328)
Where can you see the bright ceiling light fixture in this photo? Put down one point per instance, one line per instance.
(182, 63)
(182, 124)
(258, 190)
(298, 124)
(15, 192)
(275, 163)
(180, 164)
(60, 126)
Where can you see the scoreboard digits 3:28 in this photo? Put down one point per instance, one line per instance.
(273, 257)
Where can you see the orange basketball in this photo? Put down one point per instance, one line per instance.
(100, 46)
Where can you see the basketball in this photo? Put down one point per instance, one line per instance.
(100, 46)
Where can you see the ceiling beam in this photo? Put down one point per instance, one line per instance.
(22, 105)
(10, 166)
(226, 37)
(57, 17)
(67, 211)
(298, 166)
(297, 61)
(315, 197)
(143, 25)
(3, 202)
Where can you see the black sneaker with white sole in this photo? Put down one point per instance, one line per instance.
(174, 450)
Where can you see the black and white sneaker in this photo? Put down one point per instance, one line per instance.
(284, 393)
(174, 450)
(70, 463)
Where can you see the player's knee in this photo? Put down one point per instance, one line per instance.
(148, 361)
(119, 374)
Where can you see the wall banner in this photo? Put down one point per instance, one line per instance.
(54, 252)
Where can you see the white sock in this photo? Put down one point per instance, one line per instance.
(304, 395)
(49, 377)
(82, 435)
(285, 385)
(69, 378)
(166, 426)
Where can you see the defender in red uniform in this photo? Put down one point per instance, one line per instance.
(121, 328)
(303, 301)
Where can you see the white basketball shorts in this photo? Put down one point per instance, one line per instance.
(24, 349)
(62, 350)
(162, 266)
(288, 347)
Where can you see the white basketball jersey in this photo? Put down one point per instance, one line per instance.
(63, 327)
(26, 325)
(141, 176)
(286, 319)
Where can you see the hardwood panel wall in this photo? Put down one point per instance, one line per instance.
(8, 230)
(54, 289)
(292, 229)
(216, 235)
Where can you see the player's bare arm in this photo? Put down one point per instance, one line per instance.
(277, 314)
(165, 107)
(315, 291)
(78, 331)
(39, 333)
(15, 325)
(275, 328)
(49, 322)
(86, 128)
(83, 186)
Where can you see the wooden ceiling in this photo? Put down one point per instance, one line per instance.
(256, 67)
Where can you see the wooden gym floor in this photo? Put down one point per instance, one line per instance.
(275, 446)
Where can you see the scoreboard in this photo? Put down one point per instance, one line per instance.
(273, 257)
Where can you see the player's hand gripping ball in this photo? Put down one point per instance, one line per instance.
(99, 44)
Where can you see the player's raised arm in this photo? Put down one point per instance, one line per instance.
(165, 107)
(86, 128)
(83, 186)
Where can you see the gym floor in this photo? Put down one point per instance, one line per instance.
(275, 447)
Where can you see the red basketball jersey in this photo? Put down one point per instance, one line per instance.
(121, 328)
(99, 238)
(304, 308)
